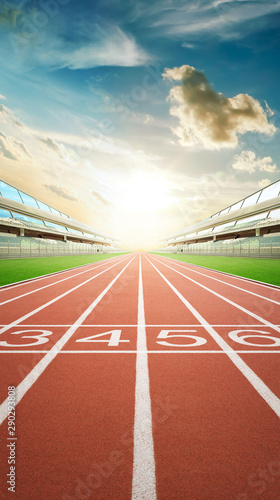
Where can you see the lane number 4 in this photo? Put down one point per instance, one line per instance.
(113, 341)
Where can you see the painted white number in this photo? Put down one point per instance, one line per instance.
(41, 338)
(113, 341)
(164, 334)
(234, 335)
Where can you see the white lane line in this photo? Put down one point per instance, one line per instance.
(16, 284)
(135, 352)
(34, 374)
(31, 313)
(226, 283)
(54, 283)
(243, 309)
(272, 400)
(147, 326)
(144, 476)
(239, 278)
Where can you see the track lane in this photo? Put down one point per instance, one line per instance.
(116, 312)
(260, 310)
(75, 435)
(91, 452)
(144, 477)
(164, 310)
(122, 312)
(17, 313)
(217, 434)
(272, 400)
(214, 437)
(220, 435)
(161, 307)
(260, 337)
(65, 312)
(13, 292)
(247, 284)
(270, 294)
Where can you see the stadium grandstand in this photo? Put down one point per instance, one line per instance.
(31, 228)
(248, 228)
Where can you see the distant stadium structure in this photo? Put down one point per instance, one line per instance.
(248, 228)
(31, 228)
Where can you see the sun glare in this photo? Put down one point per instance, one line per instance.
(145, 193)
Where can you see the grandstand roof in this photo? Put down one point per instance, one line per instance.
(20, 210)
(260, 210)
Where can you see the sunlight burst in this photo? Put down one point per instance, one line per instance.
(146, 193)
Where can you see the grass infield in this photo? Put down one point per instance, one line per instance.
(266, 270)
(12, 270)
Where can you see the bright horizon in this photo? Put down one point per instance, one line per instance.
(119, 117)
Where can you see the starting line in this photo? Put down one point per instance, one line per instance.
(183, 351)
(146, 326)
(240, 334)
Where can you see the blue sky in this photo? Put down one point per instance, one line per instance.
(138, 117)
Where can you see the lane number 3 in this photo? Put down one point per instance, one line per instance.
(40, 338)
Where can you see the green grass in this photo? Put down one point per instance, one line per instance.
(12, 270)
(266, 270)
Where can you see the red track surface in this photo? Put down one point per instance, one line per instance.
(139, 413)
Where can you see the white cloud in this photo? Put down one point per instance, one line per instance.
(51, 145)
(225, 19)
(248, 162)
(148, 119)
(5, 149)
(97, 159)
(207, 117)
(188, 45)
(109, 46)
(91, 142)
(101, 198)
(7, 116)
(74, 148)
(2, 97)
(264, 182)
(268, 110)
(62, 192)
(12, 149)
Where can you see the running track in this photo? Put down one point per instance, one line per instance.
(141, 378)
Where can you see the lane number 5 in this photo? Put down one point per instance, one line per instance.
(191, 340)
